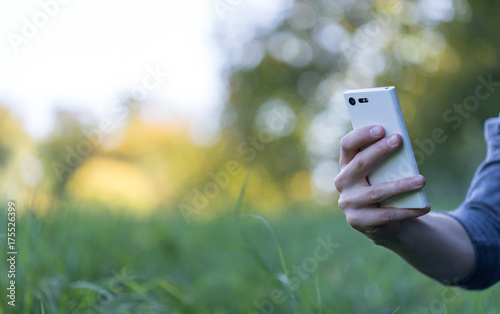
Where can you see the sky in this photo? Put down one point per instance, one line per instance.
(85, 56)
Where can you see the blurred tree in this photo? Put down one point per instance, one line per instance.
(14, 144)
(433, 52)
(13, 137)
(285, 113)
(64, 151)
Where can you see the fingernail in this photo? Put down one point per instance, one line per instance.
(417, 181)
(393, 140)
(376, 131)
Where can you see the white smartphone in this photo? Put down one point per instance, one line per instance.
(381, 106)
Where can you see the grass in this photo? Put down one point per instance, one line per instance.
(80, 260)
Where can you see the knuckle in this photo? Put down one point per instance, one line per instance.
(381, 149)
(339, 182)
(344, 143)
(358, 162)
(344, 203)
(386, 216)
(354, 221)
(403, 186)
(375, 194)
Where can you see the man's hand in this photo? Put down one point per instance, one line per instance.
(358, 200)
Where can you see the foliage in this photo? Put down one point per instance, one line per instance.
(76, 260)
(319, 49)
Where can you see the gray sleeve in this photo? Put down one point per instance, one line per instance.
(479, 214)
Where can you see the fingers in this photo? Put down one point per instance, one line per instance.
(369, 218)
(364, 161)
(358, 199)
(384, 191)
(371, 195)
(354, 140)
(360, 208)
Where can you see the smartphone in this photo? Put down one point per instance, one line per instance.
(381, 106)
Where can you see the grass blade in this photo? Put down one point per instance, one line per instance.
(239, 202)
(90, 286)
(275, 240)
(252, 250)
(251, 247)
(280, 253)
(318, 292)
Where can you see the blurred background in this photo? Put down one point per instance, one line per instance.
(136, 124)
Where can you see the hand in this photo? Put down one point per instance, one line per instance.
(358, 200)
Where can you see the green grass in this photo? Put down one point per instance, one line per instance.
(80, 260)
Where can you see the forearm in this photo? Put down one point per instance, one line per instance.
(436, 245)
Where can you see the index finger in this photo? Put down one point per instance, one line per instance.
(351, 144)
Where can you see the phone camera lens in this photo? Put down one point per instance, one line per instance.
(352, 101)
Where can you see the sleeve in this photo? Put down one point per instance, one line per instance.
(479, 214)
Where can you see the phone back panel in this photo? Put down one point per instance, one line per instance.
(382, 108)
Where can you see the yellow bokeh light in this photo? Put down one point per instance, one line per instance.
(300, 186)
(117, 184)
